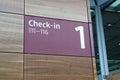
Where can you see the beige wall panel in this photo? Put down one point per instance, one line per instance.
(11, 66)
(46, 67)
(11, 33)
(115, 76)
(95, 69)
(15, 6)
(89, 13)
(62, 9)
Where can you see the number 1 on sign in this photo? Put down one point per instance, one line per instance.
(82, 37)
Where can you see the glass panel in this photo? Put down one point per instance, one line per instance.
(115, 7)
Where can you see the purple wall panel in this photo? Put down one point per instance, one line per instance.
(56, 37)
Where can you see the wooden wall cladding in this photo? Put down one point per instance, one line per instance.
(11, 33)
(95, 69)
(62, 9)
(89, 13)
(48, 67)
(11, 66)
(39, 67)
(115, 76)
(15, 6)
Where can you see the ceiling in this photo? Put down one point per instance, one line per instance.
(111, 22)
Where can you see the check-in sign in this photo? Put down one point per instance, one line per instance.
(56, 37)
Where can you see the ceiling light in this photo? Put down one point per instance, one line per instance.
(119, 44)
(109, 25)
